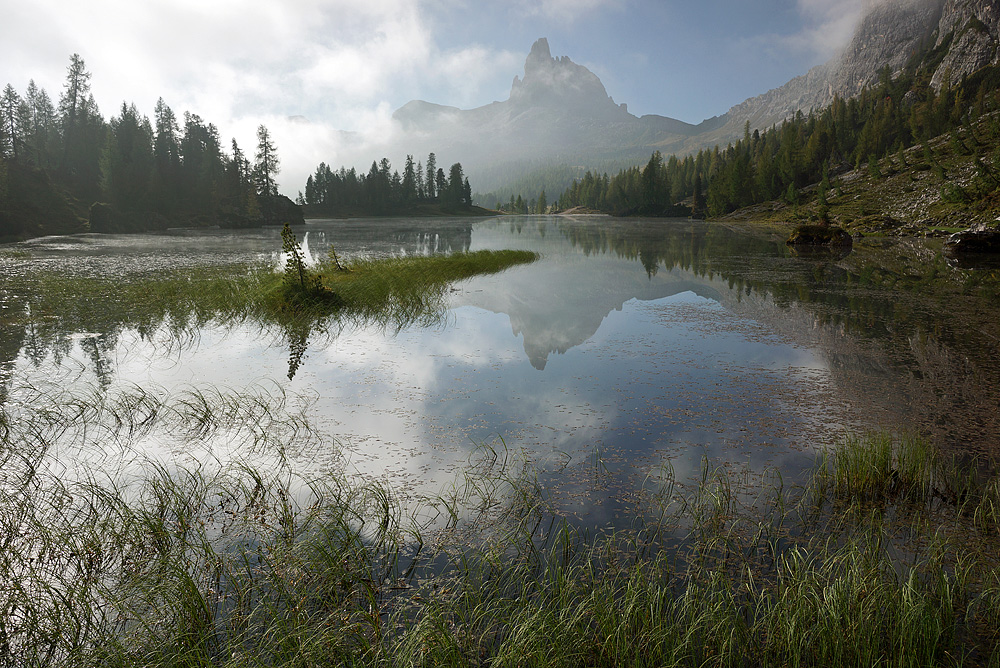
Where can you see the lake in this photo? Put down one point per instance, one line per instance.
(630, 345)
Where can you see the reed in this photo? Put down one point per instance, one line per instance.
(242, 566)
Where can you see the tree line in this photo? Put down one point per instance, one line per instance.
(144, 172)
(884, 120)
(383, 190)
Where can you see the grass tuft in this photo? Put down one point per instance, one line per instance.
(236, 566)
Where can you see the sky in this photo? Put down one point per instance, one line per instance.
(311, 69)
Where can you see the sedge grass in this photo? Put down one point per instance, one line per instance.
(185, 567)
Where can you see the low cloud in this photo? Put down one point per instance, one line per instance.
(827, 27)
(830, 25)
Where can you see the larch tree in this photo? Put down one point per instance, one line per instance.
(266, 163)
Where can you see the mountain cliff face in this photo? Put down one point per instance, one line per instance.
(973, 29)
(952, 38)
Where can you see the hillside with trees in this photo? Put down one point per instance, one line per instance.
(65, 169)
(900, 122)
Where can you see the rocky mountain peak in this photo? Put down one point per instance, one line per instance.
(539, 57)
(560, 83)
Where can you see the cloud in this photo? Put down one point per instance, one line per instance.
(826, 28)
(566, 11)
(340, 64)
(830, 24)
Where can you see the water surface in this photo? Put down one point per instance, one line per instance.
(628, 346)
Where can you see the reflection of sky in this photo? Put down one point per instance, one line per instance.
(598, 371)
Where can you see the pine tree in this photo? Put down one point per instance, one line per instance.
(432, 184)
(72, 108)
(409, 182)
(10, 124)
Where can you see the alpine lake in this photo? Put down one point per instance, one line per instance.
(662, 442)
(628, 347)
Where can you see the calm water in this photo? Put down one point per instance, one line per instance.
(630, 344)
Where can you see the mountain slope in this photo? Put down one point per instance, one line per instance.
(949, 38)
(560, 112)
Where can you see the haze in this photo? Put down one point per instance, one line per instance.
(310, 69)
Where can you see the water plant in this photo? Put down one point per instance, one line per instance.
(161, 565)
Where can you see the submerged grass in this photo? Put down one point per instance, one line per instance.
(874, 562)
(391, 293)
(390, 290)
(396, 291)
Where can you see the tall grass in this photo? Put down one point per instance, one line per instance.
(237, 566)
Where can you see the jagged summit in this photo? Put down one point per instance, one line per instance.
(561, 83)
(558, 110)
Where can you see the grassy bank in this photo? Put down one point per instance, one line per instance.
(395, 290)
(888, 556)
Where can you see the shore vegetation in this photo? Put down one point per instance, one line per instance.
(885, 556)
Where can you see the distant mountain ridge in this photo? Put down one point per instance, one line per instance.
(560, 112)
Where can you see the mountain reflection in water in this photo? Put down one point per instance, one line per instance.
(627, 345)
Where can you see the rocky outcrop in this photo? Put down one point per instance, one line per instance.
(561, 84)
(968, 30)
(560, 111)
(952, 38)
(889, 35)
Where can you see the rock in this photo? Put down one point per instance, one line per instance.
(278, 210)
(982, 240)
(819, 235)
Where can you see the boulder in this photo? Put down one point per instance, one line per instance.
(278, 210)
(974, 240)
(820, 235)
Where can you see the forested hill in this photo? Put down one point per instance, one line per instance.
(901, 124)
(64, 168)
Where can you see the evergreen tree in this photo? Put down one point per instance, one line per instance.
(266, 163)
(201, 164)
(74, 113)
(433, 187)
(43, 126)
(456, 186)
(409, 181)
(127, 161)
(166, 158)
(440, 182)
(11, 130)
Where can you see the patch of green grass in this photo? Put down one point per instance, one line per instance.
(412, 286)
